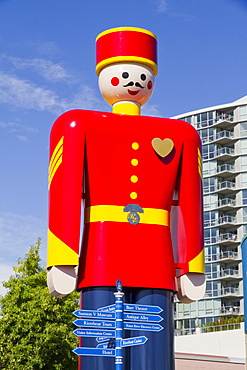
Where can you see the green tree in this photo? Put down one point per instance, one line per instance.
(35, 328)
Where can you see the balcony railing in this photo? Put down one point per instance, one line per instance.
(218, 136)
(226, 185)
(227, 202)
(224, 118)
(227, 237)
(220, 186)
(226, 167)
(229, 291)
(223, 220)
(226, 151)
(223, 274)
(226, 255)
(217, 120)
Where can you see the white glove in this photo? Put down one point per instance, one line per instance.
(61, 280)
(191, 287)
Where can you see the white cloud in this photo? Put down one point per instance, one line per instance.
(17, 234)
(150, 110)
(51, 71)
(25, 94)
(162, 6)
(5, 273)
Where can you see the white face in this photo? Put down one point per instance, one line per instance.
(126, 82)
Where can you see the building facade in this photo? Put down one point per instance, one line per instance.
(223, 131)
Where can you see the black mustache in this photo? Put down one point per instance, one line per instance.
(131, 83)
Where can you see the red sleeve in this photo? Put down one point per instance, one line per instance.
(188, 231)
(65, 182)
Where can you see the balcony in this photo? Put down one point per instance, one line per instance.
(228, 274)
(225, 220)
(226, 256)
(226, 186)
(226, 203)
(223, 292)
(221, 239)
(226, 238)
(222, 137)
(225, 169)
(222, 153)
(222, 120)
(221, 187)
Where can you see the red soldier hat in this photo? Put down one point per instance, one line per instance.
(126, 44)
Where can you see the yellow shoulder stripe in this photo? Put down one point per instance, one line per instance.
(197, 264)
(55, 161)
(59, 253)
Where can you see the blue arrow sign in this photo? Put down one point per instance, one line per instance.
(142, 308)
(149, 327)
(109, 308)
(90, 314)
(142, 317)
(95, 323)
(87, 351)
(95, 333)
(135, 341)
(103, 345)
(101, 339)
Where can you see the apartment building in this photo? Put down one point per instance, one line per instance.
(223, 131)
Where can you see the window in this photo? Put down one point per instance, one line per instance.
(244, 180)
(244, 196)
(243, 146)
(204, 119)
(209, 168)
(244, 163)
(243, 112)
(243, 129)
(208, 151)
(244, 214)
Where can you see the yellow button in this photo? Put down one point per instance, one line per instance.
(133, 195)
(135, 146)
(134, 178)
(134, 162)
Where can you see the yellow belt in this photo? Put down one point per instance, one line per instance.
(151, 216)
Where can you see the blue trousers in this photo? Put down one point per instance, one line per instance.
(156, 354)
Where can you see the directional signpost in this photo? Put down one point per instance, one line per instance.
(119, 316)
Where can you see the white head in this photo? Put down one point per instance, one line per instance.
(131, 82)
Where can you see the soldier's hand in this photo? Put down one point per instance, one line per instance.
(61, 280)
(191, 287)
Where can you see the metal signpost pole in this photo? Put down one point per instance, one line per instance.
(244, 266)
(119, 326)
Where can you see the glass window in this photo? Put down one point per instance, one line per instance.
(244, 196)
(243, 129)
(244, 214)
(244, 163)
(243, 146)
(243, 112)
(244, 180)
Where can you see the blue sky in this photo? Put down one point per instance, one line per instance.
(47, 66)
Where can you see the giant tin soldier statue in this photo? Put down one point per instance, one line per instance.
(139, 180)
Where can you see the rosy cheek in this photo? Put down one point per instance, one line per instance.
(114, 81)
(150, 85)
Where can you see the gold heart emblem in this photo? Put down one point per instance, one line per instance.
(162, 147)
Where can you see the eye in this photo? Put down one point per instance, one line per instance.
(143, 77)
(125, 75)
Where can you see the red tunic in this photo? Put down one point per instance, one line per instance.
(113, 160)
